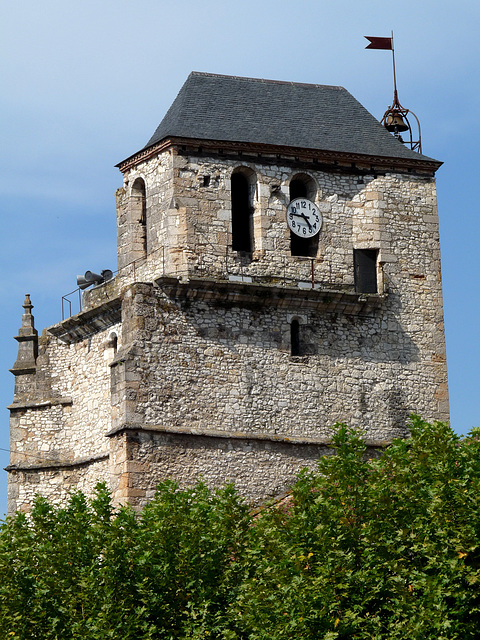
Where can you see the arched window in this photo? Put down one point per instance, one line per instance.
(295, 337)
(113, 343)
(303, 186)
(138, 213)
(243, 185)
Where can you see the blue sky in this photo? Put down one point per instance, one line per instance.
(85, 85)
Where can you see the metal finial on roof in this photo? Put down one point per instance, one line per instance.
(395, 118)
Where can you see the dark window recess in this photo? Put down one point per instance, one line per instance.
(139, 213)
(242, 214)
(307, 247)
(298, 189)
(143, 219)
(365, 265)
(206, 181)
(295, 337)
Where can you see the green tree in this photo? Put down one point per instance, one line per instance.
(83, 571)
(380, 548)
(386, 547)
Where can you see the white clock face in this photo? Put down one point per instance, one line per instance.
(304, 218)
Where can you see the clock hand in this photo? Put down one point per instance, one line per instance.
(302, 215)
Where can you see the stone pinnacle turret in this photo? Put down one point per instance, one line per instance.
(27, 342)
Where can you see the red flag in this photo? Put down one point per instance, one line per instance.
(379, 43)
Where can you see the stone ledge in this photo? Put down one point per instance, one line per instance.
(20, 371)
(87, 323)
(80, 462)
(230, 292)
(234, 435)
(42, 404)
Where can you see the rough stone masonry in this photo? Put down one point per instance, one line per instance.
(225, 347)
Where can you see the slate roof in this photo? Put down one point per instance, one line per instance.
(308, 116)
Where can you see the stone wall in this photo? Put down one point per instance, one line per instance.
(55, 483)
(259, 468)
(60, 431)
(191, 230)
(213, 366)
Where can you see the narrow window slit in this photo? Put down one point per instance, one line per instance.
(242, 212)
(295, 337)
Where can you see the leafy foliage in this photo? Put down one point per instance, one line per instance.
(369, 549)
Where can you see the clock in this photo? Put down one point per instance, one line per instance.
(304, 218)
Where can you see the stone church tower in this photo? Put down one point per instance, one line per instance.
(278, 271)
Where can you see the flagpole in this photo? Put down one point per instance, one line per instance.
(395, 96)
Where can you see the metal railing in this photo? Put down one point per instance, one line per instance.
(314, 279)
(66, 299)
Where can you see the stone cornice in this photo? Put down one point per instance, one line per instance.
(227, 292)
(20, 371)
(233, 435)
(54, 464)
(87, 323)
(258, 151)
(40, 404)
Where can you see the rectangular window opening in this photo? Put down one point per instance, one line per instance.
(365, 266)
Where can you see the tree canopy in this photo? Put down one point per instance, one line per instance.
(363, 548)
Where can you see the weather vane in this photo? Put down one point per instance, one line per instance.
(395, 118)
